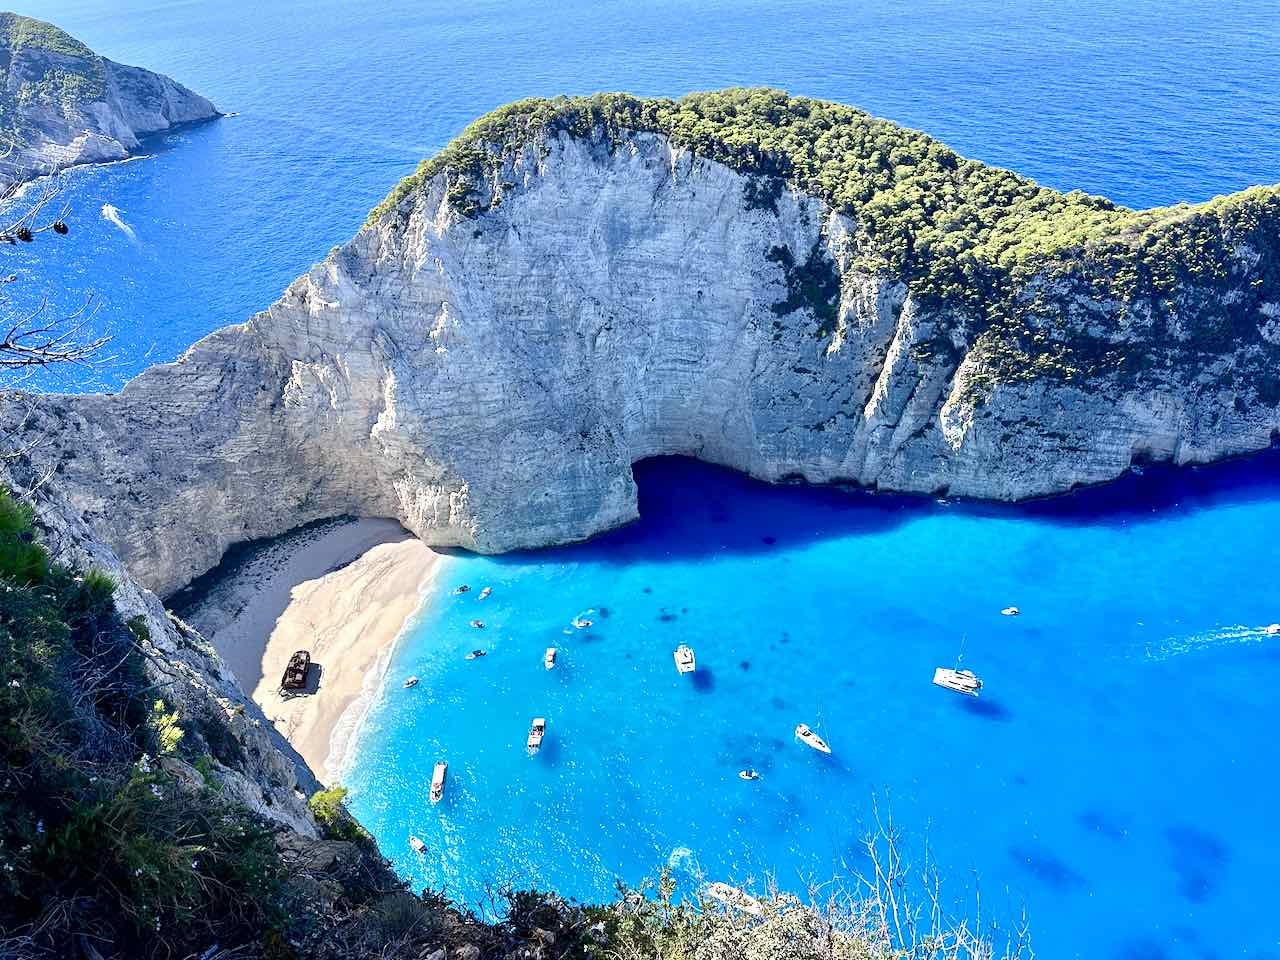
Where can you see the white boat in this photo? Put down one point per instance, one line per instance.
(961, 681)
(437, 781)
(484, 593)
(685, 661)
(417, 845)
(748, 774)
(1271, 629)
(410, 682)
(475, 655)
(549, 658)
(536, 732)
(1010, 612)
(811, 739)
(581, 623)
(478, 624)
(733, 897)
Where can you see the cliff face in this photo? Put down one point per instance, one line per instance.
(61, 104)
(486, 364)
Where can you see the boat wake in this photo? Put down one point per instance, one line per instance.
(112, 215)
(1219, 636)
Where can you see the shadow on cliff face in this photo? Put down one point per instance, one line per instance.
(690, 509)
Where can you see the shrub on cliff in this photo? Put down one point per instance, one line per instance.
(1008, 254)
(100, 841)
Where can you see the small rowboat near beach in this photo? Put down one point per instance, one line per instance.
(961, 681)
(549, 658)
(462, 589)
(685, 661)
(410, 682)
(811, 739)
(536, 732)
(437, 781)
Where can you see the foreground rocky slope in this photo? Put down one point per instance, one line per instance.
(782, 286)
(61, 104)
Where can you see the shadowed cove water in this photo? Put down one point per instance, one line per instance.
(1117, 776)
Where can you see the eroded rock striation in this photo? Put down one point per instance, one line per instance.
(61, 104)
(782, 286)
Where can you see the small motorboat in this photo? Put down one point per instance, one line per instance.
(1271, 629)
(476, 655)
(417, 845)
(961, 681)
(437, 781)
(410, 682)
(478, 624)
(1010, 612)
(581, 623)
(537, 731)
(484, 593)
(811, 739)
(549, 658)
(685, 661)
(748, 774)
(461, 589)
(295, 673)
(733, 897)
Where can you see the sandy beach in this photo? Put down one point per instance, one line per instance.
(344, 591)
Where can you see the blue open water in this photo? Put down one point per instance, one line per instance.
(1119, 777)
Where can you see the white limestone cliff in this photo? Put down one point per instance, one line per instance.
(489, 381)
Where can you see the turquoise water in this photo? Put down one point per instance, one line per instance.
(1118, 778)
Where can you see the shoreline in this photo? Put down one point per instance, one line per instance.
(347, 591)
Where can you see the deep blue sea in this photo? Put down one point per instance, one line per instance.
(1119, 776)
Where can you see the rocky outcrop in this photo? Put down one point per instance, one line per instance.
(61, 104)
(489, 377)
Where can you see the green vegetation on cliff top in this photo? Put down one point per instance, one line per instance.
(959, 232)
(76, 77)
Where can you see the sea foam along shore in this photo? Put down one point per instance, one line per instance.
(346, 591)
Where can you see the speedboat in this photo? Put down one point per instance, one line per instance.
(748, 774)
(811, 739)
(410, 682)
(1271, 629)
(484, 593)
(1010, 612)
(437, 781)
(581, 623)
(685, 662)
(461, 589)
(536, 732)
(549, 658)
(475, 655)
(417, 845)
(478, 624)
(961, 681)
